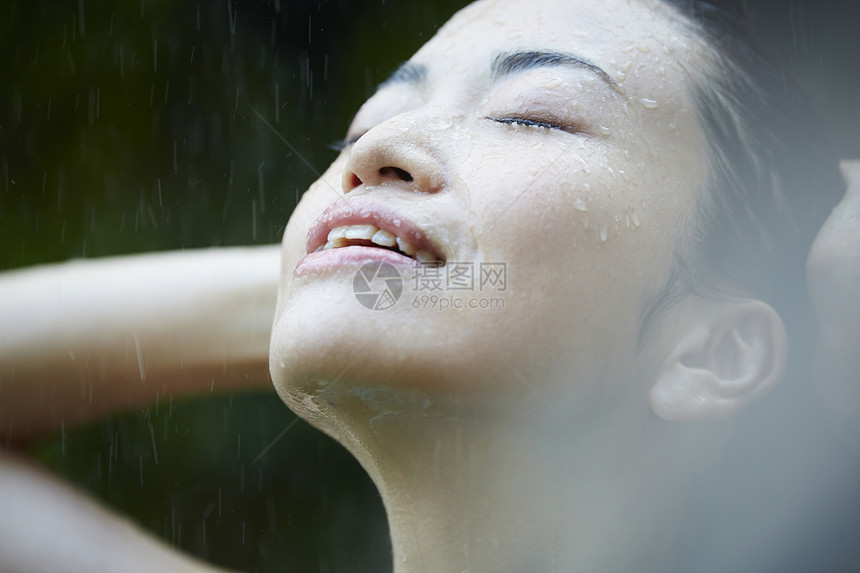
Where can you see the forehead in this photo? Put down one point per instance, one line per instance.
(636, 41)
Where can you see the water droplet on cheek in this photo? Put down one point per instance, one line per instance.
(605, 131)
(604, 233)
(649, 103)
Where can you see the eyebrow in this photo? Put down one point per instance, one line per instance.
(514, 63)
(507, 65)
(407, 73)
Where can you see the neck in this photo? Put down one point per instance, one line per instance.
(529, 493)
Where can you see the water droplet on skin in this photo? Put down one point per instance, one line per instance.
(643, 48)
(605, 131)
(580, 205)
(604, 233)
(649, 103)
(585, 166)
(514, 34)
(396, 223)
(635, 218)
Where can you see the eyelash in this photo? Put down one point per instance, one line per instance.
(524, 122)
(341, 144)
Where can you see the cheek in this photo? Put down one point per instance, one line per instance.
(325, 191)
(584, 234)
(590, 209)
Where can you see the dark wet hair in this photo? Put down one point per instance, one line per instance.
(773, 179)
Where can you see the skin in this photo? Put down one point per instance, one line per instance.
(536, 199)
(833, 274)
(450, 412)
(46, 526)
(93, 337)
(87, 338)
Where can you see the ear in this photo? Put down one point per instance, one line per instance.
(723, 355)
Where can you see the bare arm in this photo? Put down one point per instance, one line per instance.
(46, 526)
(84, 338)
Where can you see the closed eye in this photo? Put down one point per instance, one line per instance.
(342, 144)
(523, 121)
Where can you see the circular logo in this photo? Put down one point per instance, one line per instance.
(377, 285)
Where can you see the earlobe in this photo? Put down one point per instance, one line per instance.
(724, 354)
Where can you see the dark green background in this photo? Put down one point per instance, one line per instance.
(129, 126)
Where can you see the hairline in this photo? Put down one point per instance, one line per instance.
(683, 274)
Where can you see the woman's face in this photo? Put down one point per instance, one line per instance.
(550, 145)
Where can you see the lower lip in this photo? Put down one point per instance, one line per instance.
(348, 257)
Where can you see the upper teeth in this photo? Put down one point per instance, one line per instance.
(406, 246)
(384, 238)
(340, 236)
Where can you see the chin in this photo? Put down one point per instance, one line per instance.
(327, 350)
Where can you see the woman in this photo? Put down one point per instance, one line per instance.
(559, 427)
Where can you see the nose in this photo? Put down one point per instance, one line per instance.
(396, 155)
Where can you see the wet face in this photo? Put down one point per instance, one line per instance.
(556, 140)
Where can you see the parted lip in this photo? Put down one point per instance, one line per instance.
(369, 212)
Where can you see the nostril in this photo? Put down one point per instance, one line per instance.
(354, 181)
(401, 174)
